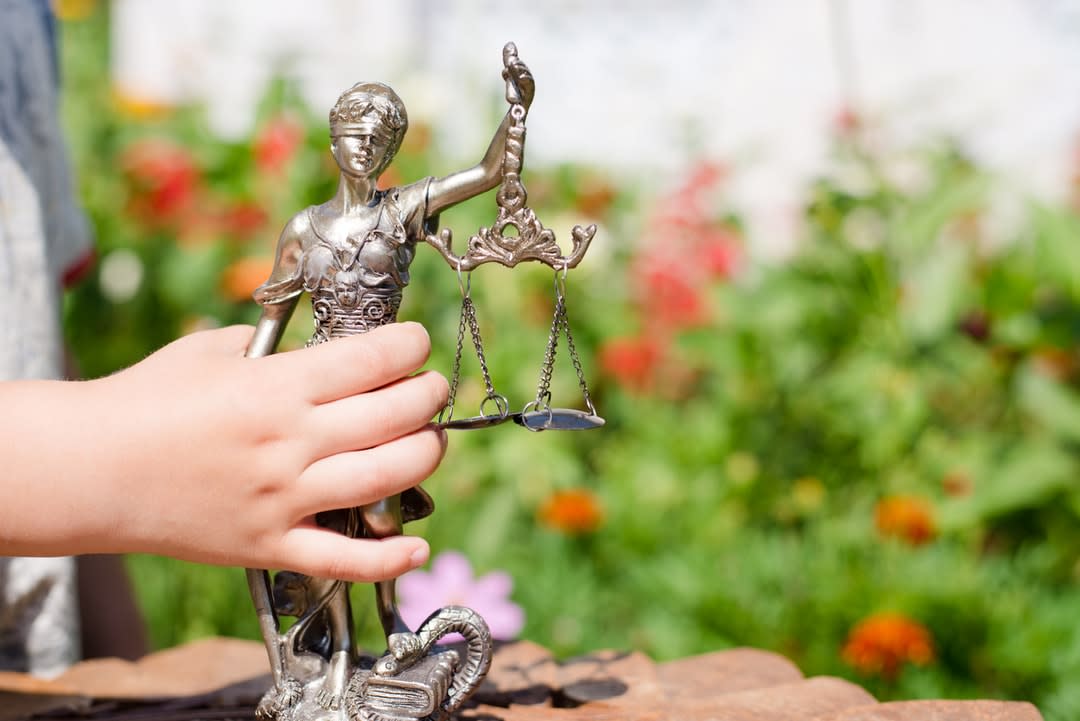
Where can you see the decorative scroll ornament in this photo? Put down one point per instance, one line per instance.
(530, 240)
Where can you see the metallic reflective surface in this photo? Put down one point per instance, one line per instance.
(530, 240)
(352, 254)
(558, 419)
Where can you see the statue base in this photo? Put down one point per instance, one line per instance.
(414, 681)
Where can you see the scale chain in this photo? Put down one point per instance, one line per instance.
(543, 387)
(577, 362)
(478, 344)
(455, 374)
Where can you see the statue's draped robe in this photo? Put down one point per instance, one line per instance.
(356, 283)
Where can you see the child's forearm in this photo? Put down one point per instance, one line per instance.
(55, 482)
(200, 453)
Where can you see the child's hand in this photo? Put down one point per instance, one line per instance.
(200, 453)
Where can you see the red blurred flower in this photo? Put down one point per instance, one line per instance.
(688, 205)
(975, 325)
(847, 122)
(706, 175)
(243, 219)
(905, 517)
(670, 296)
(687, 249)
(883, 643)
(957, 484)
(164, 180)
(77, 271)
(632, 362)
(575, 511)
(720, 253)
(277, 143)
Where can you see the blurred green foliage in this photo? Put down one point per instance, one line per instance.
(758, 416)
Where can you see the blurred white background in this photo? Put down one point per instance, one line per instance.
(649, 88)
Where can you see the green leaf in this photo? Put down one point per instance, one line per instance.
(1030, 476)
(1049, 402)
(1056, 234)
(934, 292)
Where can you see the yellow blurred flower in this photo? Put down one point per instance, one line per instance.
(742, 468)
(69, 10)
(808, 494)
(139, 108)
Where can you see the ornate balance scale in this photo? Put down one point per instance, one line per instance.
(354, 267)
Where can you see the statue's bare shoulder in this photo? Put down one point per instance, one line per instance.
(285, 281)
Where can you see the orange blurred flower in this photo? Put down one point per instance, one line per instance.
(594, 197)
(905, 517)
(574, 511)
(418, 139)
(390, 178)
(277, 143)
(883, 643)
(243, 276)
(1056, 363)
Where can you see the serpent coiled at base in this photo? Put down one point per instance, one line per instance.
(407, 649)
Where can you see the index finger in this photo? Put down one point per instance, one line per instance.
(343, 367)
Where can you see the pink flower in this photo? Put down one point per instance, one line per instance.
(450, 582)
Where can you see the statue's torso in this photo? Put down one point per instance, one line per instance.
(356, 267)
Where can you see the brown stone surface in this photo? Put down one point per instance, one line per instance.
(223, 679)
(17, 706)
(619, 679)
(738, 669)
(522, 673)
(803, 700)
(940, 711)
(22, 695)
(597, 711)
(193, 669)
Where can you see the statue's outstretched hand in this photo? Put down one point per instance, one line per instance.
(520, 86)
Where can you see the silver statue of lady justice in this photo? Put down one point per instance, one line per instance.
(352, 255)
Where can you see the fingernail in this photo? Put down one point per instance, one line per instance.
(420, 556)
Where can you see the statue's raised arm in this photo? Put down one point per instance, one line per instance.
(454, 188)
(502, 163)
